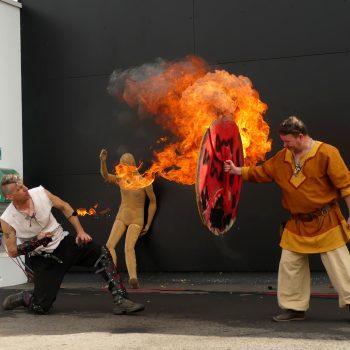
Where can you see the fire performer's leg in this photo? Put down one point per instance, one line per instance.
(122, 304)
(48, 276)
(116, 234)
(132, 236)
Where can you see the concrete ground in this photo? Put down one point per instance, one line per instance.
(183, 311)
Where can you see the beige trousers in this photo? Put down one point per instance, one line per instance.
(294, 277)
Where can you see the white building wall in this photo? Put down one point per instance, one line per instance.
(10, 87)
(10, 116)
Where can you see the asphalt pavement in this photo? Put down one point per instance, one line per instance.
(183, 311)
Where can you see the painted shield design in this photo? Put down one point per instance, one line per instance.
(218, 192)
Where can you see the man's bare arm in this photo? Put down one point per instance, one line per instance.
(67, 210)
(14, 250)
(10, 239)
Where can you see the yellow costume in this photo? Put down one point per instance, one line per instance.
(310, 190)
(313, 177)
(321, 179)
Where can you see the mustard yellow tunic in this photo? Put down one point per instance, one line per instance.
(323, 178)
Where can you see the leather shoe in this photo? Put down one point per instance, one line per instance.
(290, 315)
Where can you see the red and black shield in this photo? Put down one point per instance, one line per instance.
(218, 192)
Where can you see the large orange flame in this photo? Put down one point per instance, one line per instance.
(129, 178)
(185, 97)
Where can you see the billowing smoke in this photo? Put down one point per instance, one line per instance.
(184, 97)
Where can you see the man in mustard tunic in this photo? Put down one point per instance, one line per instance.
(313, 177)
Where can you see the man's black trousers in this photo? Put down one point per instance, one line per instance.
(48, 273)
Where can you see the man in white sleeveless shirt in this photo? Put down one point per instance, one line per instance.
(30, 229)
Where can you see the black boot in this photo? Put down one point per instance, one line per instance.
(105, 265)
(13, 301)
(126, 306)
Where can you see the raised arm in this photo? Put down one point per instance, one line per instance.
(103, 167)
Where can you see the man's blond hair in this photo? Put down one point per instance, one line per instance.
(9, 179)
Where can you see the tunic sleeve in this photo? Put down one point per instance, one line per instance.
(259, 173)
(338, 172)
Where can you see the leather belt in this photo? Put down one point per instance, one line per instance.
(314, 214)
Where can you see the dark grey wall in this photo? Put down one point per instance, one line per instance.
(295, 52)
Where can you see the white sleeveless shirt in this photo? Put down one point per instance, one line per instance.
(27, 227)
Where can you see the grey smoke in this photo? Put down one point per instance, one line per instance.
(119, 77)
